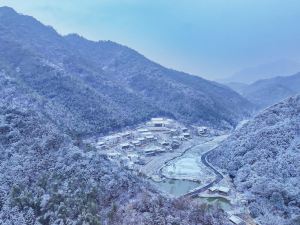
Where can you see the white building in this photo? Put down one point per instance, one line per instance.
(236, 220)
(113, 155)
(141, 140)
(143, 130)
(133, 157)
(136, 143)
(221, 190)
(153, 151)
(165, 143)
(185, 129)
(202, 131)
(150, 138)
(158, 122)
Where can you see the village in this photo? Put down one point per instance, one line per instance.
(155, 150)
(136, 148)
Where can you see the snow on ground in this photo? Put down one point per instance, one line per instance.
(189, 166)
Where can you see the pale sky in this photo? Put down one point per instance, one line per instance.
(210, 38)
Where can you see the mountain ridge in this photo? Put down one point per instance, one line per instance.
(283, 67)
(267, 92)
(121, 87)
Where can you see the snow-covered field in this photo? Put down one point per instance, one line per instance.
(189, 166)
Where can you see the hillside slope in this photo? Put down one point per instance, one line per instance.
(263, 159)
(48, 177)
(267, 92)
(102, 86)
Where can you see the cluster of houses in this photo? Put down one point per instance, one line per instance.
(157, 136)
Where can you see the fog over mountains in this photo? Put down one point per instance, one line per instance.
(283, 67)
(264, 93)
(101, 86)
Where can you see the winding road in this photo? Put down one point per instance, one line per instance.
(211, 145)
(218, 178)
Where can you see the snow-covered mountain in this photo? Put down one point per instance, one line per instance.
(49, 177)
(100, 86)
(263, 159)
(51, 91)
(283, 67)
(264, 93)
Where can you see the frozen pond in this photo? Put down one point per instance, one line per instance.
(189, 165)
(176, 188)
(187, 172)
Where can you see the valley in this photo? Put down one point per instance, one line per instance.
(93, 132)
(173, 158)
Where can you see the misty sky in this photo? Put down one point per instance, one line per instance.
(211, 38)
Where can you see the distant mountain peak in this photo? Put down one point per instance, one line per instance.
(268, 91)
(5, 10)
(281, 67)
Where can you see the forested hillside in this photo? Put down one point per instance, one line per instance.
(263, 159)
(48, 177)
(103, 86)
(264, 93)
(50, 94)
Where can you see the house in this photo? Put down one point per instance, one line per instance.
(185, 129)
(186, 135)
(223, 190)
(143, 130)
(113, 139)
(173, 131)
(130, 165)
(220, 190)
(158, 122)
(133, 157)
(126, 135)
(125, 146)
(136, 143)
(113, 155)
(182, 138)
(165, 143)
(175, 144)
(153, 151)
(141, 161)
(236, 220)
(157, 119)
(150, 138)
(147, 133)
(202, 131)
(101, 145)
(141, 140)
